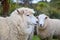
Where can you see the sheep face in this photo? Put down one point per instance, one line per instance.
(28, 13)
(42, 20)
(31, 19)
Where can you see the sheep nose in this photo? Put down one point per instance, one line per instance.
(36, 21)
(40, 25)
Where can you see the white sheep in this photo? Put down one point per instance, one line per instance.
(18, 25)
(47, 27)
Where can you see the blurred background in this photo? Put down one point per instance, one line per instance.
(48, 7)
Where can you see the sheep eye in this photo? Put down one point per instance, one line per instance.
(45, 17)
(37, 17)
(27, 15)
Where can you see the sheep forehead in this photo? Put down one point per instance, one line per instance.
(42, 16)
(28, 9)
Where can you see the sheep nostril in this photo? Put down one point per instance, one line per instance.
(40, 25)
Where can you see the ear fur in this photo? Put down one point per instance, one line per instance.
(20, 12)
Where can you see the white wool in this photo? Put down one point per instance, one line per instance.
(52, 27)
(15, 27)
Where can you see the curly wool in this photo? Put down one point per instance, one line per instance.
(14, 27)
(52, 29)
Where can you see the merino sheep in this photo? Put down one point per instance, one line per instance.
(18, 25)
(47, 27)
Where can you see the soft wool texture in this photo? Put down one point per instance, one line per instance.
(52, 28)
(15, 27)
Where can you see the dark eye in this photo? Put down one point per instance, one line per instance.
(37, 17)
(27, 15)
(45, 17)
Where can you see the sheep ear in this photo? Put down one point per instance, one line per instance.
(20, 12)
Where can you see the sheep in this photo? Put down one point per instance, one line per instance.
(18, 25)
(47, 27)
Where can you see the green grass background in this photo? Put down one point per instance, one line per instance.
(37, 38)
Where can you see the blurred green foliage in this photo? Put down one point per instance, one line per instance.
(48, 9)
(35, 37)
(52, 9)
(13, 6)
(42, 7)
(1, 10)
